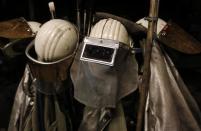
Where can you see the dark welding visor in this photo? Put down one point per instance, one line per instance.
(101, 51)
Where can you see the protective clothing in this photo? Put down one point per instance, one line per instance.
(168, 96)
(49, 75)
(101, 87)
(15, 34)
(45, 87)
(166, 86)
(170, 105)
(55, 40)
(174, 36)
(111, 82)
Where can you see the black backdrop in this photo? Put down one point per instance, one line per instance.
(186, 13)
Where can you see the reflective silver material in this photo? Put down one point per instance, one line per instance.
(118, 122)
(95, 119)
(103, 119)
(23, 103)
(170, 106)
(97, 85)
(49, 75)
(40, 100)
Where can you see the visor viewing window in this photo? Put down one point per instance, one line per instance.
(100, 51)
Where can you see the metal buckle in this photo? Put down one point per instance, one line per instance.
(101, 51)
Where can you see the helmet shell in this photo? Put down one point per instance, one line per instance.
(56, 39)
(160, 24)
(35, 26)
(110, 29)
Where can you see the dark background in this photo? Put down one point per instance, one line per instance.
(186, 13)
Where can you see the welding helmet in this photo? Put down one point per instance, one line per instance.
(105, 38)
(51, 54)
(102, 65)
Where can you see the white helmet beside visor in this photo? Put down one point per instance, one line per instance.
(160, 24)
(110, 29)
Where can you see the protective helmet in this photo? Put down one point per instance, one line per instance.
(110, 29)
(160, 25)
(55, 40)
(35, 26)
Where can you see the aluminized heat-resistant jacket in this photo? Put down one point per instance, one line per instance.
(170, 106)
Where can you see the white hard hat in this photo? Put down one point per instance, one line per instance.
(56, 39)
(35, 26)
(110, 29)
(160, 24)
